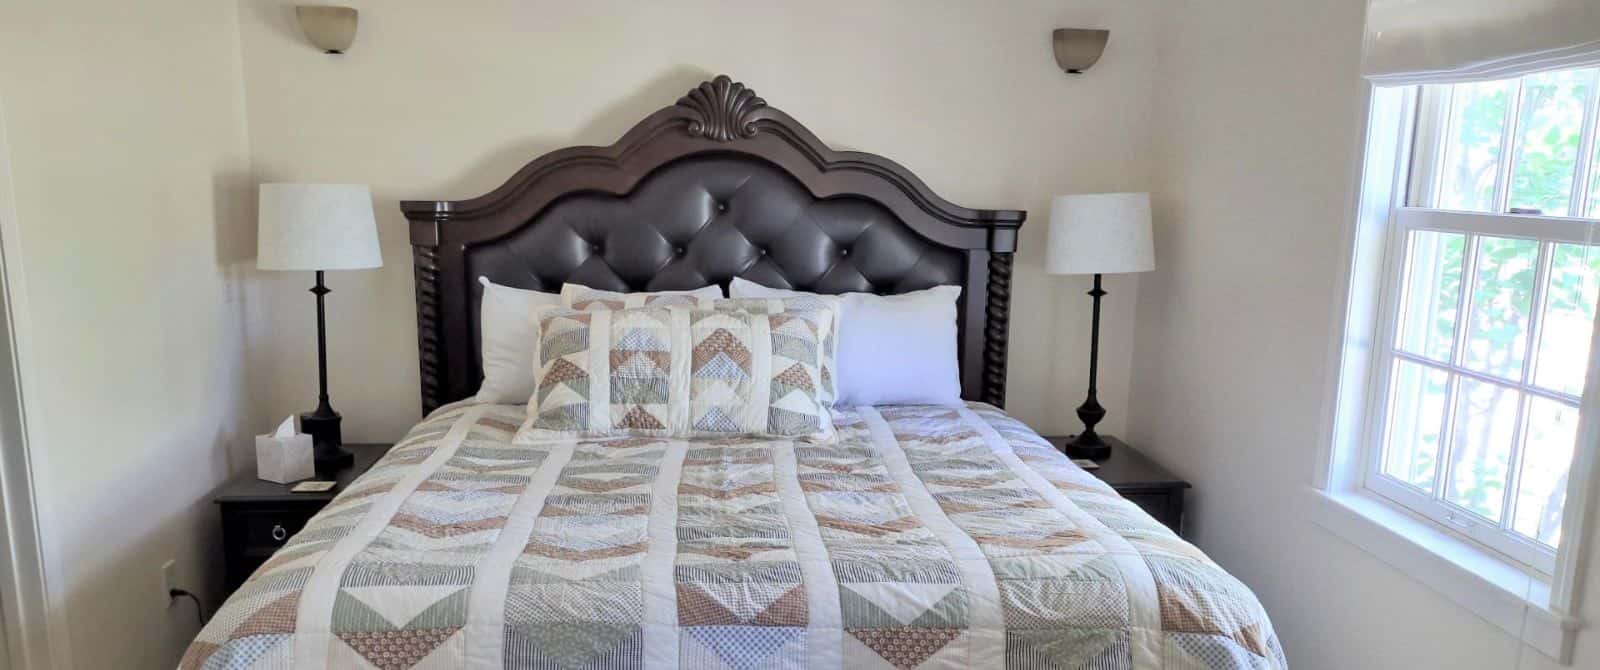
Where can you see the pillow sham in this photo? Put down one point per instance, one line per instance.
(506, 330)
(892, 349)
(827, 367)
(582, 297)
(679, 372)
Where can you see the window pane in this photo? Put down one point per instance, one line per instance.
(1550, 124)
(1432, 293)
(1546, 459)
(1471, 161)
(1416, 415)
(1568, 319)
(1502, 296)
(1480, 446)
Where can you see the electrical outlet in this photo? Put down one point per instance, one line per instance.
(169, 580)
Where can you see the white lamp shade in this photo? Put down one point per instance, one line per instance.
(1102, 233)
(317, 227)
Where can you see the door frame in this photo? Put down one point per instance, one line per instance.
(32, 636)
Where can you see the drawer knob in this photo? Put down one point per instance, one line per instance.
(279, 533)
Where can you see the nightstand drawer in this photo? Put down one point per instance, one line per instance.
(1166, 507)
(263, 531)
(1142, 481)
(259, 517)
(251, 534)
(1155, 504)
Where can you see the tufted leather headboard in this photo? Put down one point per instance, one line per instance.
(717, 186)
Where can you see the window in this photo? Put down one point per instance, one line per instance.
(1487, 303)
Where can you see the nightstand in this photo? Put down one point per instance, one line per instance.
(259, 516)
(1140, 480)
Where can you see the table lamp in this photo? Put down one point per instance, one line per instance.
(1098, 234)
(318, 227)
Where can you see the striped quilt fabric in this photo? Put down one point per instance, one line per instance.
(923, 537)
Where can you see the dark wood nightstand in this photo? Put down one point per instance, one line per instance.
(1140, 480)
(258, 516)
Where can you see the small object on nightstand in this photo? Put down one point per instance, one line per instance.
(313, 487)
(258, 517)
(1139, 479)
(1086, 464)
(284, 456)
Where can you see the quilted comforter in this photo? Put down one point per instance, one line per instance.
(923, 537)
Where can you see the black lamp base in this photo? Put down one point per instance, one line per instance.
(323, 424)
(323, 427)
(1087, 444)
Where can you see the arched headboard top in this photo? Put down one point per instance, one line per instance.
(716, 186)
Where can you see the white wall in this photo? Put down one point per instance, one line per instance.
(447, 100)
(1260, 127)
(125, 123)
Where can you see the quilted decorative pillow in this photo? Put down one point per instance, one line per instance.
(580, 297)
(680, 372)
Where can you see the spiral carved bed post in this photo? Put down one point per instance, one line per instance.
(429, 327)
(997, 328)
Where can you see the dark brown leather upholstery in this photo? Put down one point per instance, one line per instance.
(706, 220)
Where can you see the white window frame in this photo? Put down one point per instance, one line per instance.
(1522, 589)
(1547, 231)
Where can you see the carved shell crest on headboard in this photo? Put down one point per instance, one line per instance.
(726, 109)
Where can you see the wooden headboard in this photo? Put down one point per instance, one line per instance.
(716, 186)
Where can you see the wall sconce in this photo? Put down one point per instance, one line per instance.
(1078, 49)
(330, 29)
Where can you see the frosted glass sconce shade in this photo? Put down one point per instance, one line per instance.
(330, 29)
(1078, 49)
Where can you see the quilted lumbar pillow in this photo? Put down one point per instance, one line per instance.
(679, 372)
(580, 297)
(830, 336)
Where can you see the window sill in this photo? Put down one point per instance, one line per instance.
(1493, 588)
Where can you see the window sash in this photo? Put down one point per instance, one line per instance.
(1499, 537)
(1434, 106)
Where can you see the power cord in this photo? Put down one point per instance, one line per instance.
(199, 609)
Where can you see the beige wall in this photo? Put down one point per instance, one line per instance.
(446, 100)
(1256, 166)
(134, 164)
(125, 123)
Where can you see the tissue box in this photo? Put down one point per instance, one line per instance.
(284, 459)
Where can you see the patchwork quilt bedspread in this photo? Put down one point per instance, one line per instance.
(924, 537)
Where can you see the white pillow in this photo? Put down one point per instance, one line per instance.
(893, 349)
(508, 334)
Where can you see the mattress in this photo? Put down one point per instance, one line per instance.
(923, 537)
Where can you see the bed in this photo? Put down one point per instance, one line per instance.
(922, 536)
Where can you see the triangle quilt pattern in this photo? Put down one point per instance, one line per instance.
(747, 604)
(574, 645)
(905, 647)
(742, 647)
(416, 620)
